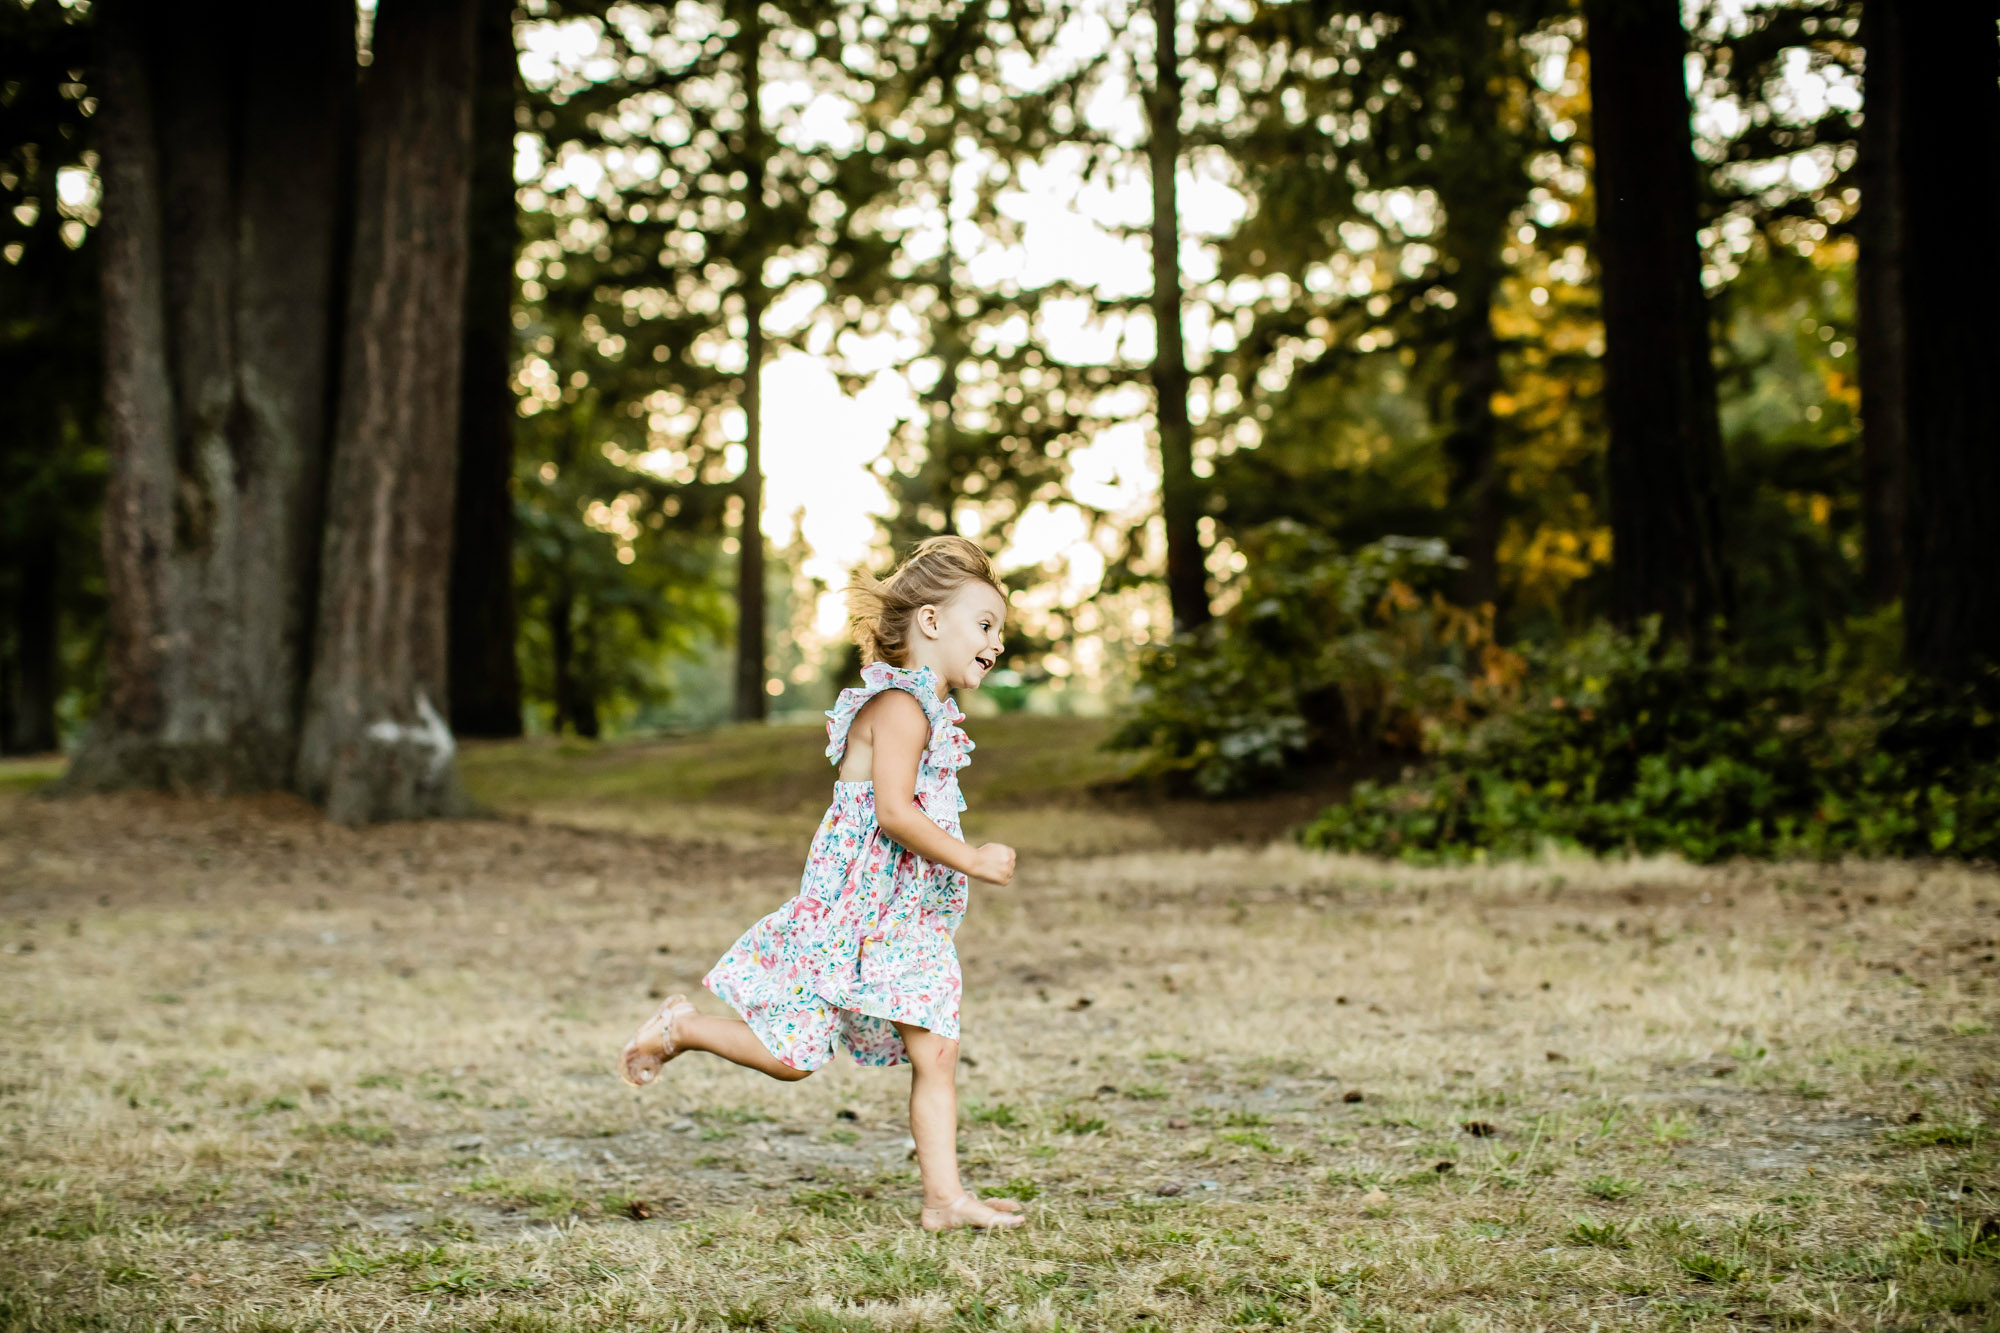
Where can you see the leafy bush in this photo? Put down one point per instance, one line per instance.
(1322, 653)
(1621, 748)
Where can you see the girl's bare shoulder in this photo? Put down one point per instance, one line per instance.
(898, 711)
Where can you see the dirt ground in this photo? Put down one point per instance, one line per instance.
(258, 1072)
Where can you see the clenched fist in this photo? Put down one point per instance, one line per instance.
(993, 862)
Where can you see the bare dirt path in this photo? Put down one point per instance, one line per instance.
(260, 1072)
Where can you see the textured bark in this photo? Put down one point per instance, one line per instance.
(1663, 466)
(222, 146)
(752, 704)
(485, 675)
(1879, 308)
(373, 744)
(28, 677)
(1180, 494)
(1477, 195)
(1949, 151)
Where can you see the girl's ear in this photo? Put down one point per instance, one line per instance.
(927, 620)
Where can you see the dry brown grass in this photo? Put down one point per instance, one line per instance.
(258, 1072)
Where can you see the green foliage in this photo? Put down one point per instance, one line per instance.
(1621, 747)
(1708, 1268)
(1605, 1235)
(1324, 653)
(1610, 1188)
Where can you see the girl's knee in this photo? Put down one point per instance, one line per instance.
(934, 1054)
(790, 1074)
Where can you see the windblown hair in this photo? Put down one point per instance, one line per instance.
(879, 612)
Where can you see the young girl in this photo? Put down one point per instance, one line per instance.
(863, 956)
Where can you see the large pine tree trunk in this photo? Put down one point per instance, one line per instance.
(28, 678)
(485, 676)
(752, 703)
(375, 744)
(1180, 494)
(222, 146)
(1949, 154)
(1879, 307)
(1663, 467)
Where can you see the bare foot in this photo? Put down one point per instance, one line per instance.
(653, 1044)
(968, 1210)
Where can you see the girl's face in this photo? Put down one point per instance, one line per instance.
(960, 638)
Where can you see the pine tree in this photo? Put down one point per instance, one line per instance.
(1663, 465)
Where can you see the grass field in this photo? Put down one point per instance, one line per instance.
(257, 1072)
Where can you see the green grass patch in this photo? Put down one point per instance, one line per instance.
(1610, 1188)
(1940, 1134)
(1604, 1235)
(1709, 1268)
(999, 1114)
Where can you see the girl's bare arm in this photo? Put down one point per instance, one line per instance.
(899, 732)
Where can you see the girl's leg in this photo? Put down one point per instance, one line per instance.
(732, 1039)
(678, 1027)
(934, 1125)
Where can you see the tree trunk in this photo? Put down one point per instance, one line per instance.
(28, 708)
(221, 164)
(752, 703)
(375, 745)
(1948, 146)
(1471, 445)
(1180, 495)
(1879, 308)
(485, 676)
(1478, 182)
(1663, 466)
(570, 703)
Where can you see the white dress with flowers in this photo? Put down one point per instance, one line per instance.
(867, 943)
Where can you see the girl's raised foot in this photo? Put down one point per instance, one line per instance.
(969, 1210)
(653, 1044)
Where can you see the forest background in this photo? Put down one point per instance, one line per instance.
(1584, 396)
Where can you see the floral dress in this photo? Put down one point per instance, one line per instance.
(867, 942)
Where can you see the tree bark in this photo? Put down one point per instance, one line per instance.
(1479, 179)
(222, 145)
(1948, 146)
(576, 703)
(1663, 466)
(1879, 308)
(1180, 495)
(485, 675)
(29, 679)
(752, 703)
(374, 745)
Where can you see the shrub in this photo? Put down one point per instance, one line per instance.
(1622, 748)
(1321, 653)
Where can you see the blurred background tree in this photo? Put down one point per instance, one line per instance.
(1357, 331)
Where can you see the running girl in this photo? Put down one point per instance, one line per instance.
(863, 957)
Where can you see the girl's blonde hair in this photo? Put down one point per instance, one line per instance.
(879, 612)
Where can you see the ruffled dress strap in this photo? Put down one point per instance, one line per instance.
(949, 748)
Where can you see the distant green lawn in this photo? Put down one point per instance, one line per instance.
(32, 772)
(1042, 784)
(775, 769)
(1021, 760)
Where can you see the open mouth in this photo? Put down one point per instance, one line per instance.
(985, 663)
